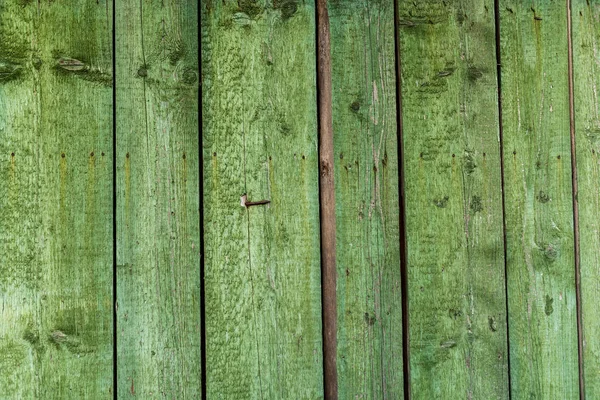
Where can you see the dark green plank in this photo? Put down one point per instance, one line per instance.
(368, 246)
(158, 232)
(586, 74)
(452, 173)
(55, 200)
(539, 209)
(263, 309)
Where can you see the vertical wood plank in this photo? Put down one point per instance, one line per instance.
(539, 209)
(367, 198)
(586, 39)
(56, 199)
(262, 267)
(158, 232)
(457, 318)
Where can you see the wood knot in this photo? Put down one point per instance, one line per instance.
(71, 64)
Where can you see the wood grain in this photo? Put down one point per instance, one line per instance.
(158, 228)
(367, 200)
(262, 267)
(586, 38)
(56, 200)
(457, 313)
(539, 207)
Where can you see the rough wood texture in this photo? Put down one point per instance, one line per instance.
(539, 209)
(457, 308)
(158, 233)
(262, 267)
(367, 198)
(586, 74)
(55, 200)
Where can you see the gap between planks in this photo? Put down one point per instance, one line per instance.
(402, 213)
(501, 136)
(575, 204)
(327, 202)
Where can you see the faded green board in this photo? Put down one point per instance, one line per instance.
(262, 267)
(368, 246)
(538, 195)
(586, 74)
(158, 228)
(55, 200)
(457, 309)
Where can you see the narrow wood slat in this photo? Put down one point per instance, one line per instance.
(586, 74)
(158, 232)
(457, 309)
(56, 200)
(262, 266)
(366, 176)
(539, 206)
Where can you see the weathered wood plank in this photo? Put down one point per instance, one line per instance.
(538, 194)
(55, 200)
(452, 173)
(158, 232)
(262, 267)
(367, 198)
(586, 75)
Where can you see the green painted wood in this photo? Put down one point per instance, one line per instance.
(158, 228)
(457, 310)
(262, 267)
(586, 39)
(367, 199)
(538, 195)
(56, 200)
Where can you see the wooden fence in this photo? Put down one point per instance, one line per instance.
(277, 199)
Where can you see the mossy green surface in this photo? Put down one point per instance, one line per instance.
(542, 307)
(263, 293)
(55, 202)
(453, 193)
(369, 294)
(158, 183)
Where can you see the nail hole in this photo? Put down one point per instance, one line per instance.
(558, 157)
(63, 155)
(127, 155)
(453, 155)
(102, 154)
(183, 156)
(215, 154)
(514, 152)
(12, 154)
(92, 154)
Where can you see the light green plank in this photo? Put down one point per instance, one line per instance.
(55, 200)
(586, 74)
(456, 296)
(368, 246)
(538, 190)
(263, 309)
(158, 229)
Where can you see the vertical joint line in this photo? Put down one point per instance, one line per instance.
(402, 213)
(502, 180)
(114, 200)
(327, 202)
(201, 221)
(575, 204)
